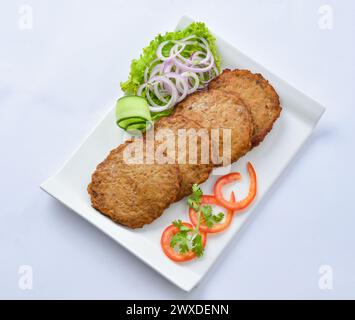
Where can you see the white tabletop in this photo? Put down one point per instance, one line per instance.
(58, 70)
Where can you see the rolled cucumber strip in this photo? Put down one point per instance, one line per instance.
(132, 113)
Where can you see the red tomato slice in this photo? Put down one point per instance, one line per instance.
(168, 233)
(239, 205)
(218, 227)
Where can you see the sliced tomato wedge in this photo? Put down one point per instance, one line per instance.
(217, 227)
(168, 233)
(229, 178)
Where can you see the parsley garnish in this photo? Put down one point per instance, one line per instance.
(197, 246)
(194, 200)
(210, 218)
(187, 239)
(190, 239)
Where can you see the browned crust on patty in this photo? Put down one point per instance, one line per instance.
(257, 94)
(221, 109)
(133, 194)
(190, 173)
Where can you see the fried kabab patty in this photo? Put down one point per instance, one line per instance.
(133, 194)
(220, 109)
(194, 168)
(258, 96)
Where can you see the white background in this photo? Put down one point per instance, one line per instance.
(55, 81)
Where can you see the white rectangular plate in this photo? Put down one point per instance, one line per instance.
(299, 116)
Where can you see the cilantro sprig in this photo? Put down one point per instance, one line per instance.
(187, 239)
(190, 239)
(194, 202)
(210, 218)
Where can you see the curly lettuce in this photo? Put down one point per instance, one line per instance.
(138, 66)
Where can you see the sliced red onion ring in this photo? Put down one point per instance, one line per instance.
(185, 67)
(204, 45)
(163, 44)
(196, 58)
(160, 95)
(188, 61)
(166, 66)
(189, 38)
(159, 79)
(171, 78)
(196, 83)
(181, 84)
(209, 54)
(141, 88)
(146, 72)
(160, 50)
(174, 50)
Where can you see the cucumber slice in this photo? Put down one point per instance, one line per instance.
(132, 113)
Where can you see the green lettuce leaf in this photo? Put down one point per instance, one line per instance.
(138, 66)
